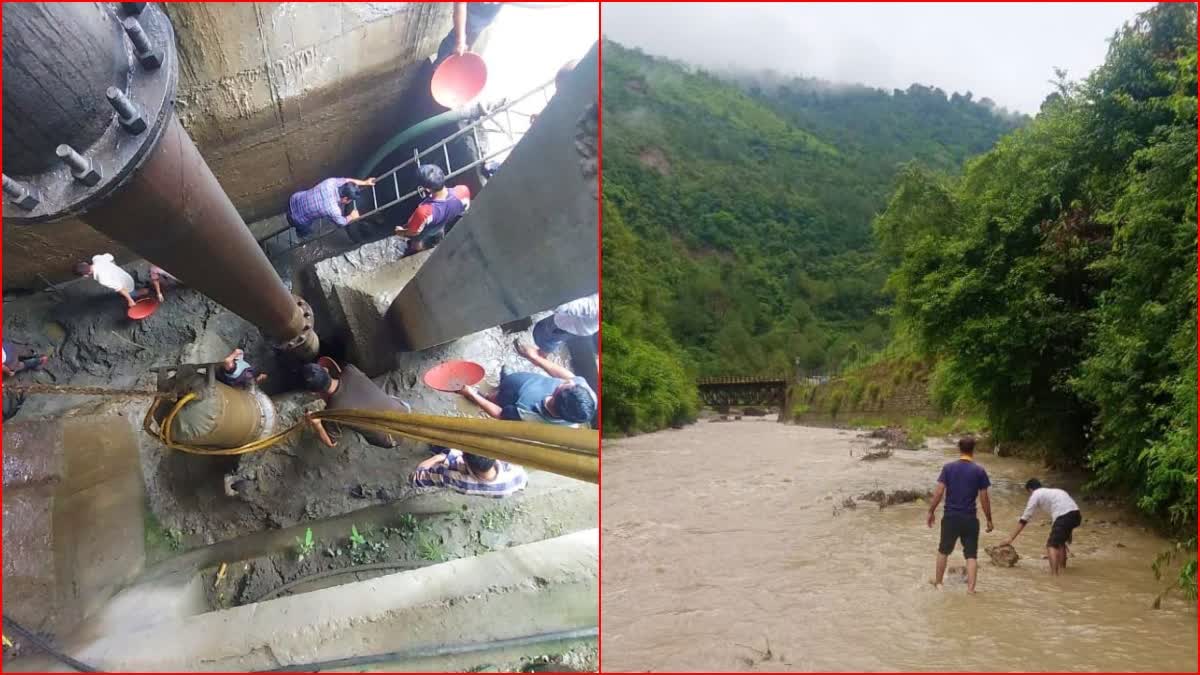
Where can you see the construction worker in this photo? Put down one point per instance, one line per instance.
(325, 200)
(439, 209)
(159, 276)
(108, 274)
(470, 19)
(468, 474)
(351, 390)
(15, 360)
(576, 319)
(559, 397)
(237, 372)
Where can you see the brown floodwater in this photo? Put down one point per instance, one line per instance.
(722, 536)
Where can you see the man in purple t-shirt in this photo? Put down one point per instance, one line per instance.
(960, 482)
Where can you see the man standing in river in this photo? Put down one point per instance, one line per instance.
(961, 482)
(1064, 513)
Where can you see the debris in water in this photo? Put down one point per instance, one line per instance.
(895, 497)
(893, 437)
(878, 454)
(1003, 555)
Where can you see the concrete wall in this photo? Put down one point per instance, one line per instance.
(889, 391)
(536, 588)
(276, 96)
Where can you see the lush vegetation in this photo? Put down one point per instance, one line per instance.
(737, 230)
(1055, 281)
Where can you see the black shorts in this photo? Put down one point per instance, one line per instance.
(956, 526)
(1064, 525)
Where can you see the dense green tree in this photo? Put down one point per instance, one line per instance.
(1056, 279)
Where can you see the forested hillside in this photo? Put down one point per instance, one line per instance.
(737, 222)
(1055, 281)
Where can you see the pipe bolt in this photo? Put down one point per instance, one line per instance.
(82, 168)
(127, 113)
(150, 58)
(133, 8)
(20, 195)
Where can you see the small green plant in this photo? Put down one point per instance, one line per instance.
(174, 539)
(408, 524)
(356, 539)
(364, 550)
(495, 519)
(429, 547)
(1184, 580)
(873, 393)
(305, 546)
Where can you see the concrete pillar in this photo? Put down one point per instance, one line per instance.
(530, 241)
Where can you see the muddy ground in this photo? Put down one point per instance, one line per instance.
(91, 343)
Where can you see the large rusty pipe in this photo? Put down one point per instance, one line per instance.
(174, 213)
(90, 129)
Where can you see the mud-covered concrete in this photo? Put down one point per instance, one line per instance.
(276, 96)
(445, 526)
(351, 294)
(91, 343)
(532, 589)
(73, 499)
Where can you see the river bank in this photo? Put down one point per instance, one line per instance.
(753, 540)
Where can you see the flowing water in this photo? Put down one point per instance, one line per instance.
(720, 537)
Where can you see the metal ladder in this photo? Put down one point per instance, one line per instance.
(498, 121)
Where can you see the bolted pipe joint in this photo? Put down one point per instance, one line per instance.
(305, 345)
(127, 112)
(146, 54)
(20, 195)
(82, 168)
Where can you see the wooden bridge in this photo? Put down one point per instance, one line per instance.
(742, 390)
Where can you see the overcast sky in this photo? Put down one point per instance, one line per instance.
(1006, 52)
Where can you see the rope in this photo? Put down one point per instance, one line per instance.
(47, 647)
(569, 452)
(64, 390)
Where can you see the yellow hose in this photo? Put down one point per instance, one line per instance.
(569, 452)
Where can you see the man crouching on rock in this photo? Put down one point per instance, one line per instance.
(960, 482)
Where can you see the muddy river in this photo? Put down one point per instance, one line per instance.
(723, 536)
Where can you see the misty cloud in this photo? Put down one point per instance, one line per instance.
(1006, 52)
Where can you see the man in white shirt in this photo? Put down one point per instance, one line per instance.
(1064, 513)
(578, 318)
(108, 274)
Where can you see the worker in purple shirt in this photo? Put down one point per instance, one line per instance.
(961, 482)
(325, 200)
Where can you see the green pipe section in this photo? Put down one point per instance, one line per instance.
(415, 131)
